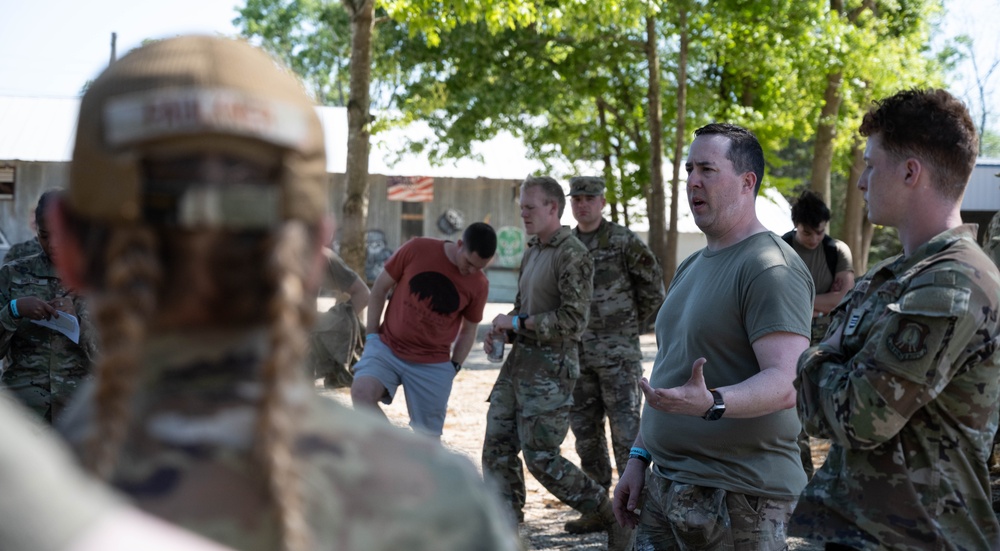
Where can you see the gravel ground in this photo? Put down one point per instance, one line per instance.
(463, 432)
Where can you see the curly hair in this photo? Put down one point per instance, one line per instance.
(810, 210)
(932, 125)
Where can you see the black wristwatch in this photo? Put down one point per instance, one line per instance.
(458, 366)
(715, 412)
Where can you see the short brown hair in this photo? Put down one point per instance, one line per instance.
(932, 125)
(551, 189)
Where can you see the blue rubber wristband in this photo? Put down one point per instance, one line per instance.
(514, 322)
(641, 454)
(13, 309)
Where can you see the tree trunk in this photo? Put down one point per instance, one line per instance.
(609, 172)
(679, 141)
(355, 210)
(826, 131)
(656, 205)
(855, 214)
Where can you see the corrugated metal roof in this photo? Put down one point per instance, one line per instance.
(37, 129)
(983, 191)
(42, 129)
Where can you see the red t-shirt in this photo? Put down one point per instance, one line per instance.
(429, 302)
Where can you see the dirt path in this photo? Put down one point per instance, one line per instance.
(463, 433)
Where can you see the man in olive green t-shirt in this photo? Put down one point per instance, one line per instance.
(720, 434)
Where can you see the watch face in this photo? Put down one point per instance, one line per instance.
(715, 413)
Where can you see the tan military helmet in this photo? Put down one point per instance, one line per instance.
(191, 94)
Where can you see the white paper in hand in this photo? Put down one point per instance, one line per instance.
(67, 324)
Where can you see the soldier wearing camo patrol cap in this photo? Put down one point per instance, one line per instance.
(628, 288)
(906, 383)
(196, 216)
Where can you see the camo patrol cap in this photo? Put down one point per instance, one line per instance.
(586, 185)
(189, 95)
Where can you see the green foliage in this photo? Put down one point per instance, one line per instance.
(312, 36)
(570, 77)
(990, 145)
(885, 243)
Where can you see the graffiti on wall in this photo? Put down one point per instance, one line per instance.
(451, 222)
(378, 252)
(510, 247)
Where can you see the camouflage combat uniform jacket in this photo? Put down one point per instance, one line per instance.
(189, 458)
(20, 250)
(530, 401)
(991, 241)
(909, 403)
(45, 367)
(628, 288)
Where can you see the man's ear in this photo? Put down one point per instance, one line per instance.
(913, 168)
(750, 180)
(69, 258)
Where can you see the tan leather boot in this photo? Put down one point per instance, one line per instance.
(587, 523)
(620, 538)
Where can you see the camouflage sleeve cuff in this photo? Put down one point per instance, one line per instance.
(827, 353)
(7, 318)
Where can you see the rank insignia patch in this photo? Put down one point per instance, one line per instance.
(907, 343)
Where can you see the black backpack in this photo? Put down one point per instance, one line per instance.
(829, 248)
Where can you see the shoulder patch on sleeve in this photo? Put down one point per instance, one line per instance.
(909, 341)
(933, 301)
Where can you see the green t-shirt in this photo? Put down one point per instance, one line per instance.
(815, 260)
(718, 304)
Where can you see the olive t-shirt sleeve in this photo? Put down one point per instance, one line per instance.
(48, 502)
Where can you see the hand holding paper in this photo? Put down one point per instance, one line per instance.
(66, 323)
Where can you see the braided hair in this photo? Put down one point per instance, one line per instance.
(142, 266)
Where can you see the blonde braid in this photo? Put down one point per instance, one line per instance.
(122, 312)
(288, 314)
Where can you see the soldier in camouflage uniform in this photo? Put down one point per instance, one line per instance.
(21, 250)
(44, 366)
(50, 504)
(628, 288)
(198, 202)
(337, 338)
(530, 402)
(991, 241)
(907, 382)
(991, 246)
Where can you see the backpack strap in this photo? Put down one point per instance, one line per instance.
(830, 249)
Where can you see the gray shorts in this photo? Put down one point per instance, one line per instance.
(428, 386)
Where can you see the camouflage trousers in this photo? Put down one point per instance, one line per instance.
(677, 516)
(47, 396)
(336, 342)
(610, 391)
(529, 413)
(820, 325)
